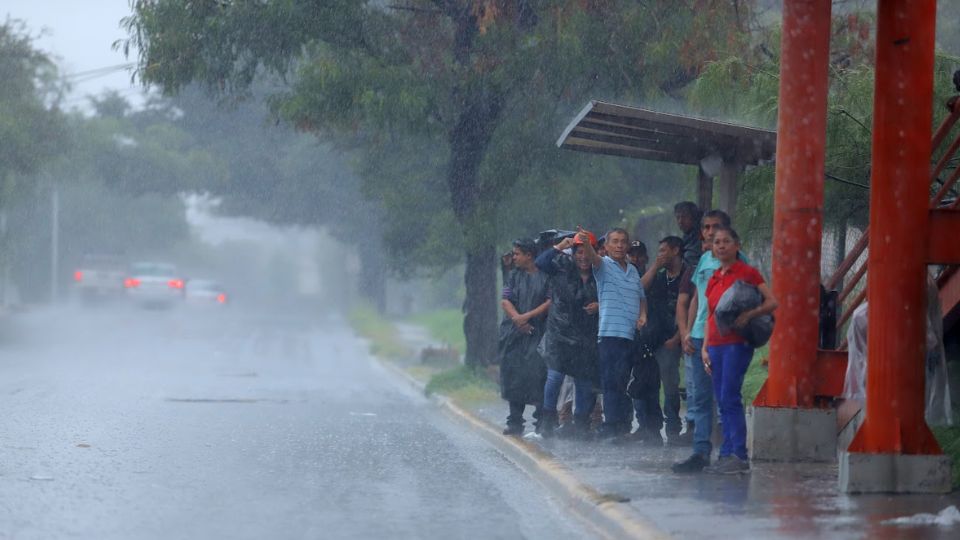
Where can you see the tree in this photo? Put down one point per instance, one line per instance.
(30, 122)
(480, 80)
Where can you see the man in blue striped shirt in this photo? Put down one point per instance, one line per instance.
(623, 309)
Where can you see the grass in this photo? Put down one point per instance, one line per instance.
(463, 385)
(383, 337)
(949, 439)
(445, 326)
(756, 375)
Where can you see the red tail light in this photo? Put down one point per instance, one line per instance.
(176, 283)
(78, 276)
(131, 283)
(222, 298)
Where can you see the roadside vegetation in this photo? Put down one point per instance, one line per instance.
(463, 385)
(445, 326)
(384, 340)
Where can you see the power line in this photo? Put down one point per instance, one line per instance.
(81, 76)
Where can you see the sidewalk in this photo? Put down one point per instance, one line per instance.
(776, 500)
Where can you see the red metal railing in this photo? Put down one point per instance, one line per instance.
(835, 280)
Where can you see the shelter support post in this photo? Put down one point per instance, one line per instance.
(704, 190)
(894, 450)
(727, 196)
(786, 424)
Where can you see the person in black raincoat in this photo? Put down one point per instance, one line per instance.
(569, 346)
(525, 302)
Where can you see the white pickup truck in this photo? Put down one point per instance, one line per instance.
(99, 277)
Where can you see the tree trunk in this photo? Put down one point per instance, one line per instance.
(480, 307)
(373, 278)
(475, 210)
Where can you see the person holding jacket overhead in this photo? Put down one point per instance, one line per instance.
(569, 346)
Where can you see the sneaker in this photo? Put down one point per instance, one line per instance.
(729, 465)
(533, 436)
(513, 430)
(693, 464)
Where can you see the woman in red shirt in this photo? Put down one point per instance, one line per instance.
(726, 357)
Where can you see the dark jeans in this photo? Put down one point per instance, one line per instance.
(616, 359)
(515, 418)
(729, 364)
(645, 389)
(668, 360)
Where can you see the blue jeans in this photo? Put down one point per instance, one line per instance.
(729, 364)
(615, 361)
(691, 386)
(700, 403)
(584, 398)
(551, 390)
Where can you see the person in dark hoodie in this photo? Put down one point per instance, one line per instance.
(569, 346)
(525, 302)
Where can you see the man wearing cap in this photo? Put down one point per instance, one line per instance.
(623, 309)
(569, 346)
(637, 255)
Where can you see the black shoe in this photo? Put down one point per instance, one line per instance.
(547, 424)
(513, 430)
(693, 464)
(578, 429)
(607, 432)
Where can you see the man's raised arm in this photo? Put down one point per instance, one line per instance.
(587, 247)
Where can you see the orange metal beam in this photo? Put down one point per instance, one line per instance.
(943, 242)
(949, 285)
(831, 370)
(903, 107)
(798, 202)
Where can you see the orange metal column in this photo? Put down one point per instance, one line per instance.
(899, 225)
(798, 202)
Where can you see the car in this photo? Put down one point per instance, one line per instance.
(99, 277)
(154, 285)
(204, 292)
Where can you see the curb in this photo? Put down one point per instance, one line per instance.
(604, 513)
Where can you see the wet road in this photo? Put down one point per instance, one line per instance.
(134, 424)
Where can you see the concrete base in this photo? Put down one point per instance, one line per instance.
(894, 473)
(778, 434)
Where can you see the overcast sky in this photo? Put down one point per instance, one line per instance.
(79, 34)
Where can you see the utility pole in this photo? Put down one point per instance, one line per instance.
(54, 242)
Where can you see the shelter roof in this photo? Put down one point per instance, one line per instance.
(619, 130)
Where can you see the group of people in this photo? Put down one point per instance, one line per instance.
(598, 313)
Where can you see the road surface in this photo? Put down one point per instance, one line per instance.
(125, 423)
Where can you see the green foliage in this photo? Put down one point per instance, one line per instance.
(29, 124)
(949, 439)
(394, 81)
